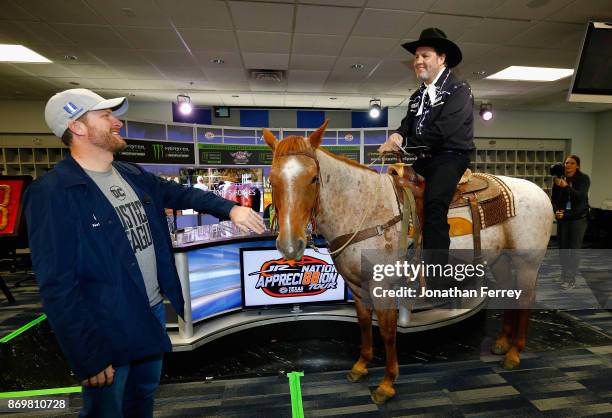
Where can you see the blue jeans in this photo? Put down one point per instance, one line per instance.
(133, 389)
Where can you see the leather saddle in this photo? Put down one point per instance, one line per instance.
(471, 191)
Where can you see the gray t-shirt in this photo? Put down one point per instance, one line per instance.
(136, 224)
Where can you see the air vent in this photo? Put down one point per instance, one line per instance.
(267, 76)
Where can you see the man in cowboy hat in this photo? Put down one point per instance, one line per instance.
(440, 120)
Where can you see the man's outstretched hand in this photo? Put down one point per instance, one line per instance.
(247, 220)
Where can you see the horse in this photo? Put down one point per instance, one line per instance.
(310, 184)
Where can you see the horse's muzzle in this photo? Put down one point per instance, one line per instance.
(291, 249)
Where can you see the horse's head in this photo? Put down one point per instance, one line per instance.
(295, 187)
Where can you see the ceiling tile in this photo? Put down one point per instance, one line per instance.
(150, 38)
(32, 33)
(521, 9)
(312, 62)
(414, 5)
(62, 11)
(205, 40)
(306, 81)
(92, 36)
(163, 58)
(343, 3)
(130, 13)
(548, 35)
(197, 13)
(344, 66)
(452, 26)
(230, 59)
(494, 31)
(183, 73)
(11, 10)
(143, 71)
(11, 70)
(385, 23)
(358, 46)
(119, 56)
(46, 70)
(466, 7)
(226, 74)
(255, 60)
(325, 20)
(94, 71)
(317, 44)
(262, 16)
(583, 11)
(273, 42)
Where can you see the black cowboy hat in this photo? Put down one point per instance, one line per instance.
(435, 38)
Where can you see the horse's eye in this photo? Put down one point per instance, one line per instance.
(315, 180)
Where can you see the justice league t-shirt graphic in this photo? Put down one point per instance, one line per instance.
(134, 221)
(133, 218)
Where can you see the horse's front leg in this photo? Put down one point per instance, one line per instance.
(387, 323)
(360, 368)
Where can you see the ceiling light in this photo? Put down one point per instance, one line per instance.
(333, 98)
(184, 104)
(357, 67)
(519, 73)
(19, 53)
(375, 108)
(70, 57)
(235, 95)
(486, 111)
(217, 61)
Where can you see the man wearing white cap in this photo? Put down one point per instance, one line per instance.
(103, 257)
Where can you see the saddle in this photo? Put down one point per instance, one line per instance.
(490, 201)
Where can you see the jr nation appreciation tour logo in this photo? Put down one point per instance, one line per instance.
(310, 276)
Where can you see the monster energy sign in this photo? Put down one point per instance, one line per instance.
(155, 152)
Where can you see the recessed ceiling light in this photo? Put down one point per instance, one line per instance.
(357, 67)
(19, 53)
(217, 61)
(235, 95)
(74, 83)
(70, 57)
(332, 98)
(518, 73)
(479, 73)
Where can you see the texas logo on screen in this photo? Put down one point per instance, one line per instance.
(309, 276)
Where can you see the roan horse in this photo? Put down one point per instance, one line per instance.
(309, 182)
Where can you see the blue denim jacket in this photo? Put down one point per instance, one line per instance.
(91, 286)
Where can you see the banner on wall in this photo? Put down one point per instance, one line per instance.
(157, 152)
(371, 156)
(269, 279)
(221, 154)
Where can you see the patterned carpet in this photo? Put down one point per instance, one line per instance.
(569, 379)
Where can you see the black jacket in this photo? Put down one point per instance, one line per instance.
(448, 123)
(577, 193)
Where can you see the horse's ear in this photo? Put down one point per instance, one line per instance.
(317, 136)
(270, 138)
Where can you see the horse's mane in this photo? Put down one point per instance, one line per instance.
(298, 144)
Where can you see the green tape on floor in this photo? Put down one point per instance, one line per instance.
(23, 329)
(39, 392)
(297, 410)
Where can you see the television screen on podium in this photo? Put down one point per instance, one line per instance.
(592, 80)
(268, 279)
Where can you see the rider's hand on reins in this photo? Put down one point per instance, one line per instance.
(392, 144)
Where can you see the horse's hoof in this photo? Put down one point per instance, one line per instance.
(355, 376)
(512, 360)
(382, 395)
(501, 346)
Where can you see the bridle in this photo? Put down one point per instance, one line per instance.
(315, 208)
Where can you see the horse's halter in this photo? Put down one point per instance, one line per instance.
(315, 208)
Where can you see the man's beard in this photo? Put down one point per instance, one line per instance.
(423, 75)
(108, 142)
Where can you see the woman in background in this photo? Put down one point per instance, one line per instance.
(571, 204)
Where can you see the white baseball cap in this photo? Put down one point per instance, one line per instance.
(72, 104)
